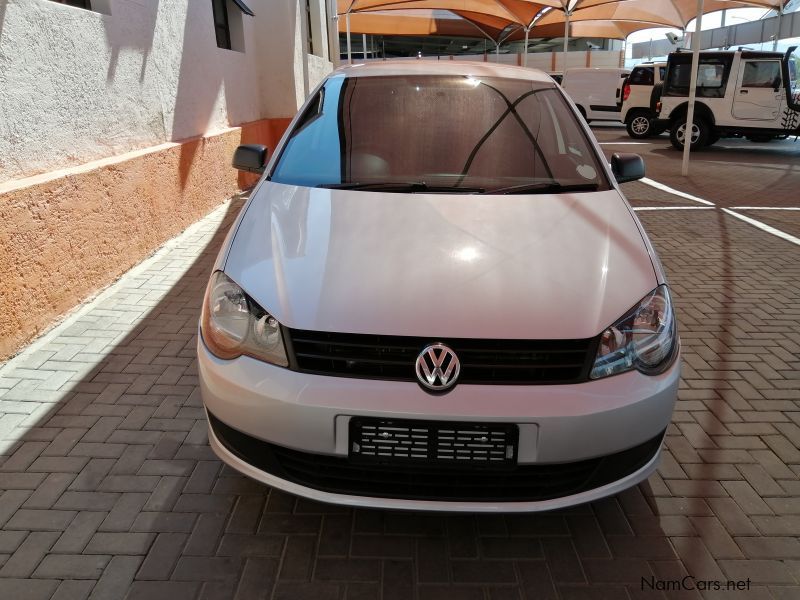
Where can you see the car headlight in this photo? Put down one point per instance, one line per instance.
(646, 339)
(233, 324)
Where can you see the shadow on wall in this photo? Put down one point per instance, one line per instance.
(200, 94)
(198, 86)
(131, 26)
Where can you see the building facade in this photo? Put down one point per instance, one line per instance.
(118, 120)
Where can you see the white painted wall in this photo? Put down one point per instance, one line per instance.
(536, 60)
(78, 85)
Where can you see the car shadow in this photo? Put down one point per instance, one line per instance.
(123, 450)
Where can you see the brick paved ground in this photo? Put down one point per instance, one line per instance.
(108, 488)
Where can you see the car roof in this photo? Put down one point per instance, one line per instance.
(443, 67)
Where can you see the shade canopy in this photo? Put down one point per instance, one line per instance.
(420, 22)
(663, 13)
(614, 30)
(522, 12)
(607, 18)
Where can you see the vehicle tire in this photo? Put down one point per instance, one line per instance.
(760, 139)
(700, 132)
(639, 124)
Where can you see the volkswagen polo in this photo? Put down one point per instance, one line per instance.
(437, 298)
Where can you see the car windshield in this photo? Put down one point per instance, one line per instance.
(439, 134)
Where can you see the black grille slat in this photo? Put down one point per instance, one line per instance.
(482, 361)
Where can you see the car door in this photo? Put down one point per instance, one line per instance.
(759, 93)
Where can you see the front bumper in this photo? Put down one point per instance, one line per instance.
(558, 424)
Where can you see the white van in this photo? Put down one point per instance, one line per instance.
(596, 91)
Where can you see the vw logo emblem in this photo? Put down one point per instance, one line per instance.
(438, 367)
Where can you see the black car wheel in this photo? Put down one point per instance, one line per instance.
(639, 125)
(699, 136)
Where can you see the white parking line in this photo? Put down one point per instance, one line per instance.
(674, 208)
(764, 227)
(763, 208)
(674, 192)
(625, 143)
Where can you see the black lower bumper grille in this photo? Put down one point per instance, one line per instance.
(403, 440)
(520, 483)
(482, 361)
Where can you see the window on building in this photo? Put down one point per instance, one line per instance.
(98, 6)
(228, 23)
(76, 3)
(221, 24)
(309, 27)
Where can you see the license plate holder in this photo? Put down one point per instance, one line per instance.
(433, 443)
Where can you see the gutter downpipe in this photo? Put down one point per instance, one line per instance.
(687, 138)
(567, 14)
(525, 49)
(349, 45)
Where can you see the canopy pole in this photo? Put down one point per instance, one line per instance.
(497, 50)
(349, 45)
(623, 53)
(525, 48)
(687, 137)
(566, 40)
(778, 33)
(364, 45)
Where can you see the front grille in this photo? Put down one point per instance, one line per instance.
(520, 483)
(482, 361)
(410, 441)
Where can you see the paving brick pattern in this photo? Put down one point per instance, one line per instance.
(108, 488)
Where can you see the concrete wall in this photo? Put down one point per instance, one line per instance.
(546, 61)
(80, 85)
(117, 130)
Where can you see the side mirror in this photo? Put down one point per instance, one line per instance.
(627, 167)
(251, 158)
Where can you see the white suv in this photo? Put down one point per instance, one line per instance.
(739, 94)
(639, 97)
(437, 298)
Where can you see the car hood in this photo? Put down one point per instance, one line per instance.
(437, 265)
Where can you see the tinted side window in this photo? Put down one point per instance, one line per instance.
(712, 76)
(662, 73)
(761, 74)
(642, 76)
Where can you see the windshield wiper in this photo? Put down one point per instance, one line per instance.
(546, 187)
(409, 187)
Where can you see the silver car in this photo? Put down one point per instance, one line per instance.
(437, 298)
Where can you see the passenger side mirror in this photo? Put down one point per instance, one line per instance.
(251, 158)
(627, 167)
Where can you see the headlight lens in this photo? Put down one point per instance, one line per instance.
(645, 339)
(233, 324)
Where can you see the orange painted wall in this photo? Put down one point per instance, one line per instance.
(67, 234)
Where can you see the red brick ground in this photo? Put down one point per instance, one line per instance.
(108, 488)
